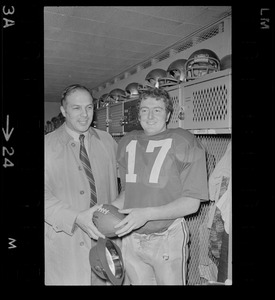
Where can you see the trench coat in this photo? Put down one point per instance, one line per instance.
(67, 192)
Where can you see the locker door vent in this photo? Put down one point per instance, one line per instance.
(210, 104)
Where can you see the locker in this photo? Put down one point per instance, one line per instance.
(207, 102)
(176, 119)
(131, 116)
(116, 112)
(101, 118)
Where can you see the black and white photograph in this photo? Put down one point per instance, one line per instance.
(118, 137)
(150, 89)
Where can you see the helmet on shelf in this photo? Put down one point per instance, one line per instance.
(200, 63)
(132, 89)
(158, 78)
(103, 100)
(56, 122)
(96, 103)
(116, 95)
(226, 62)
(177, 69)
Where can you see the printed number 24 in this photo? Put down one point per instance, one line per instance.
(154, 175)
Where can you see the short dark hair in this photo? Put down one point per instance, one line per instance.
(157, 93)
(71, 88)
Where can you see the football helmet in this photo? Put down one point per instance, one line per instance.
(132, 89)
(106, 261)
(158, 78)
(61, 118)
(96, 103)
(50, 127)
(177, 69)
(226, 62)
(56, 122)
(116, 95)
(103, 100)
(200, 63)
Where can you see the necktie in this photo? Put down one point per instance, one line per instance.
(87, 167)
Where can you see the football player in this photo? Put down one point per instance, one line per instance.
(164, 178)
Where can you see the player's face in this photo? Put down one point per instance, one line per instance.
(78, 110)
(153, 116)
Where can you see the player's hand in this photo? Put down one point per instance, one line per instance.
(85, 221)
(136, 218)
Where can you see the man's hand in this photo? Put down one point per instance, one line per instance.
(136, 218)
(85, 221)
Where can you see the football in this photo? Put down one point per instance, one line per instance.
(105, 218)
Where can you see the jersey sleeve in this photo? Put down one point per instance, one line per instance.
(121, 159)
(193, 172)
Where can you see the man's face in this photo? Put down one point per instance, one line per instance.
(78, 110)
(153, 116)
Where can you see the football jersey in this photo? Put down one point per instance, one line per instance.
(156, 170)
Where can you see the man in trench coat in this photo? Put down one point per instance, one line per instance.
(69, 231)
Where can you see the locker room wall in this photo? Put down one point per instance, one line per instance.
(51, 109)
(219, 42)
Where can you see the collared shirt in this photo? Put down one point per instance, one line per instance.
(76, 135)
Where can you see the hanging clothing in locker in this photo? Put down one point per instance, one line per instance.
(214, 231)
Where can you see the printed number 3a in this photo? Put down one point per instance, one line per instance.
(154, 175)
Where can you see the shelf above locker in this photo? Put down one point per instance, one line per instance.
(207, 102)
(211, 131)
